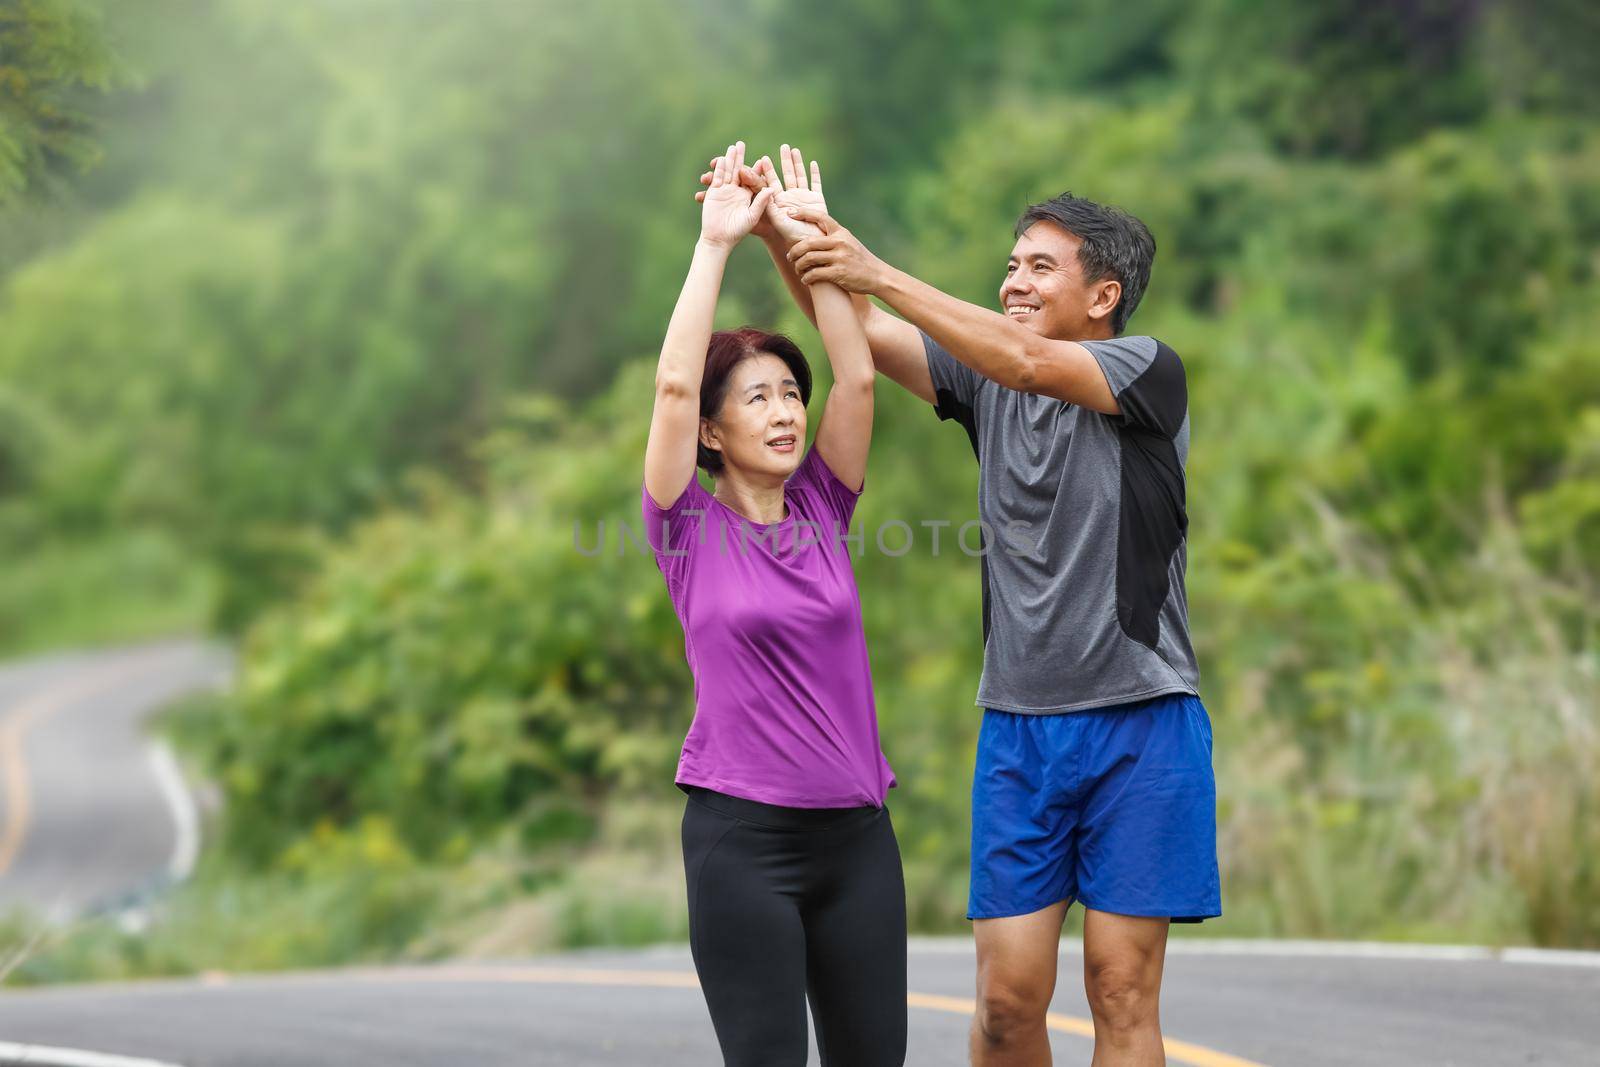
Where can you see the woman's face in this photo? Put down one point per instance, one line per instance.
(761, 428)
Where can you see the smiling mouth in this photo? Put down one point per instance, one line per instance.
(782, 444)
(1018, 311)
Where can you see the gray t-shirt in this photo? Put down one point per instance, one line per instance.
(1083, 597)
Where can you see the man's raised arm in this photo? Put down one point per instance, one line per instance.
(896, 345)
(1003, 351)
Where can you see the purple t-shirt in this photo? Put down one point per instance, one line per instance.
(772, 631)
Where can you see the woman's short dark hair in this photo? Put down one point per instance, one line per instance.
(1114, 244)
(728, 349)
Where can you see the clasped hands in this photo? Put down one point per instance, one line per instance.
(790, 213)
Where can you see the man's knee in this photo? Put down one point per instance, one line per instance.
(1009, 1010)
(1123, 995)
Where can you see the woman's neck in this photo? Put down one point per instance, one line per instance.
(757, 500)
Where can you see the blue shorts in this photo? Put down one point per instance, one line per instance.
(1114, 807)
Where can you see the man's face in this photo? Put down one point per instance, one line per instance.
(1044, 288)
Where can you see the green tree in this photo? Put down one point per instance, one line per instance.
(51, 51)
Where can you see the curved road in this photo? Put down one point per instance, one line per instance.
(92, 813)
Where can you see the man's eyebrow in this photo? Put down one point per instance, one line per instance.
(1035, 256)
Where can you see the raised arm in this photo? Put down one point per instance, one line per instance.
(987, 341)
(728, 213)
(895, 344)
(844, 436)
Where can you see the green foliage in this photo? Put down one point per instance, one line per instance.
(50, 52)
(1342, 77)
(462, 664)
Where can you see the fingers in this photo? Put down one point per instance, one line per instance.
(750, 177)
(746, 176)
(813, 260)
(719, 171)
(769, 174)
(816, 177)
(738, 157)
(700, 197)
(820, 246)
(787, 160)
(812, 213)
(758, 206)
(799, 168)
(818, 270)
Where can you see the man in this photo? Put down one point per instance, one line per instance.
(1093, 778)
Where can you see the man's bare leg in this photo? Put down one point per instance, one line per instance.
(1016, 978)
(1122, 960)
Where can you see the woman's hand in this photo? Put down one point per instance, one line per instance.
(797, 193)
(794, 191)
(750, 179)
(729, 208)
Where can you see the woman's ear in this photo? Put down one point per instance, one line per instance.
(709, 436)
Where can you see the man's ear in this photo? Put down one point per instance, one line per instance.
(1107, 294)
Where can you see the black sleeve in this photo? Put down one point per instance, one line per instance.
(955, 388)
(1147, 378)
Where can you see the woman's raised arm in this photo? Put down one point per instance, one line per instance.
(727, 215)
(844, 436)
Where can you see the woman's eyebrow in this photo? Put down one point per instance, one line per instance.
(753, 386)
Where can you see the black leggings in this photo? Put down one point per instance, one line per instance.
(791, 904)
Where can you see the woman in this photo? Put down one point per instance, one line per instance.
(794, 878)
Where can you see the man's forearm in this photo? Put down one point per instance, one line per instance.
(778, 249)
(984, 340)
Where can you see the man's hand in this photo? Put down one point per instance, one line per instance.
(835, 256)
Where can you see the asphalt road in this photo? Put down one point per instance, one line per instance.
(1223, 1006)
(89, 818)
(92, 813)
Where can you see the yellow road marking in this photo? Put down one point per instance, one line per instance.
(14, 730)
(1182, 1052)
(1177, 1051)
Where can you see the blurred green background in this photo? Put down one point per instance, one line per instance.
(323, 323)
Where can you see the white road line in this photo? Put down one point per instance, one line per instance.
(186, 846)
(45, 1056)
(1567, 957)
